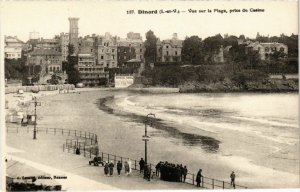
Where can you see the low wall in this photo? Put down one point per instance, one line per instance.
(38, 88)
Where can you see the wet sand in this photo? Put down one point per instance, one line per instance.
(122, 135)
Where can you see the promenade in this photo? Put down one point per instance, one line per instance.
(46, 154)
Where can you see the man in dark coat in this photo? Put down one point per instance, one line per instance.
(119, 167)
(157, 168)
(232, 177)
(198, 177)
(184, 173)
(142, 165)
(111, 168)
(106, 168)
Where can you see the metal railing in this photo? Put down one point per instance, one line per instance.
(88, 137)
(88, 145)
(206, 182)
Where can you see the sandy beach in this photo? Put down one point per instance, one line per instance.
(122, 136)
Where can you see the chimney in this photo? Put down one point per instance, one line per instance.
(174, 35)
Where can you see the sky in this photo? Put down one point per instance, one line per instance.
(51, 18)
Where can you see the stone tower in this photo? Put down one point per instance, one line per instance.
(73, 33)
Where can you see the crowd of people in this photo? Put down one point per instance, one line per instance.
(109, 168)
(164, 170)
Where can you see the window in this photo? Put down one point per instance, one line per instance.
(91, 50)
(113, 50)
(175, 52)
(129, 45)
(141, 50)
(167, 52)
(167, 46)
(113, 57)
(50, 69)
(101, 56)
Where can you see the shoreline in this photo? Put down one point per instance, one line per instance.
(113, 130)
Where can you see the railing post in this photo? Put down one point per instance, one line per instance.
(54, 131)
(213, 183)
(135, 164)
(75, 132)
(80, 134)
(102, 156)
(108, 158)
(223, 184)
(193, 179)
(202, 182)
(121, 160)
(62, 131)
(90, 153)
(85, 134)
(69, 132)
(84, 150)
(89, 135)
(115, 160)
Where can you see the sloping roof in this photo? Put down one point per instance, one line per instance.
(173, 42)
(44, 52)
(10, 39)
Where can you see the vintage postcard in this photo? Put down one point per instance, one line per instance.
(149, 95)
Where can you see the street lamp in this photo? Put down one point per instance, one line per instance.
(146, 137)
(35, 118)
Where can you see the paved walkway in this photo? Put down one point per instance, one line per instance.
(46, 154)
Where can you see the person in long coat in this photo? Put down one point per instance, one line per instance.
(126, 166)
(111, 168)
(106, 168)
(119, 167)
(198, 177)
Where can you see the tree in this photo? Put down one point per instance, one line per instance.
(150, 47)
(192, 50)
(70, 66)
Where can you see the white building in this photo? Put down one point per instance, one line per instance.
(13, 47)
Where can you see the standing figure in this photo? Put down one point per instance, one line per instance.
(184, 173)
(126, 166)
(157, 168)
(198, 177)
(111, 168)
(142, 165)
(232, 177)
(119, 167)
(106, 168)
(130, 166)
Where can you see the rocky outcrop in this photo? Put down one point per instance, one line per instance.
(230, 86)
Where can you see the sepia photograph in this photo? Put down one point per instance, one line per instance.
(149, 95)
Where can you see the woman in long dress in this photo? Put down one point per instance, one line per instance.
(129, 163)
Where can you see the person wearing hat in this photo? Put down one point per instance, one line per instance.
(232, 177)
(198, 177)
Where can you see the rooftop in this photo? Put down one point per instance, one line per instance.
(44, 52)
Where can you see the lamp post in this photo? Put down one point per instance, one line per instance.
(36, 103)
(146, 137)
